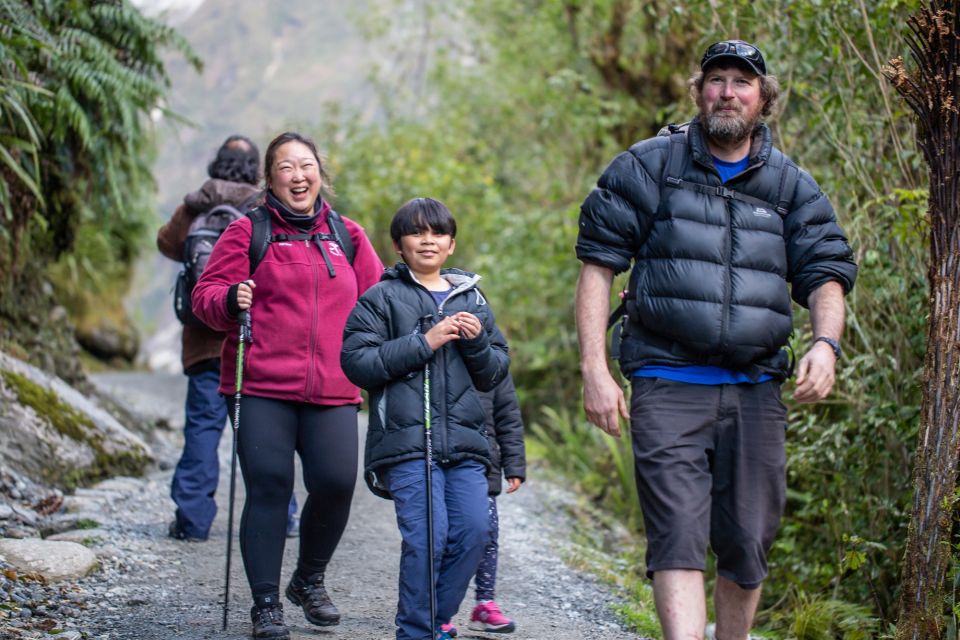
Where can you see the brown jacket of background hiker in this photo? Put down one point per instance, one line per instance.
(200, 344)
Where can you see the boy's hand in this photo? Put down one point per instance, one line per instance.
(513, 484)
(470, 325)
(443, 332)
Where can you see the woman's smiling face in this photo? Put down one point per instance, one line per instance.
(295, 177)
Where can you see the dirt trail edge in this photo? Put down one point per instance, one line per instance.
(151, 587)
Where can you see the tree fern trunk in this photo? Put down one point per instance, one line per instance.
(931, 92)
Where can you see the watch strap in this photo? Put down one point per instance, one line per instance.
(837, 351)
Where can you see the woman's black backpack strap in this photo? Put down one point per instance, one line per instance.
(339, 231)
(260, 237)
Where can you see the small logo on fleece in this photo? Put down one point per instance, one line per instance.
(334, 248)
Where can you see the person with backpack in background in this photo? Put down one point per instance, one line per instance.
(299, 268)
(423, 342)
(188, 237)
(716, 222)
(504, 426)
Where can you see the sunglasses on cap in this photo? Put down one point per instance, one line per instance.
(737, 49)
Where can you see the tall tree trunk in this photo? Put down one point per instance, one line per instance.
(931, 91)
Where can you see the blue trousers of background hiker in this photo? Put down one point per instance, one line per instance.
(461, 530)
(198, 471)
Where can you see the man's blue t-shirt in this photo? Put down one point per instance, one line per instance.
(703, 374)
(728, 170)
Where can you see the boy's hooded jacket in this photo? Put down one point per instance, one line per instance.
(298, 310)
(385, 352)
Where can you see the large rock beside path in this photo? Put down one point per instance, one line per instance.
(52, 433)
(55, 561)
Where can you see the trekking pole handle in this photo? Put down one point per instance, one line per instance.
(246, 326)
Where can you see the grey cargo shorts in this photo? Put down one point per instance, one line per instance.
(710, 466)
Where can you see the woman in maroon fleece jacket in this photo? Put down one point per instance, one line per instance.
(295, 396)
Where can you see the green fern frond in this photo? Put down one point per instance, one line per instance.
(70, 112)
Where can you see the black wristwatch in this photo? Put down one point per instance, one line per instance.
(837, 351)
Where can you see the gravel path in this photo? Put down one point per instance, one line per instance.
(155, 588)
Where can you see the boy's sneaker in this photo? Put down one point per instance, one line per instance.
(313, 597)
(268, 622)
(449, 629)
(487, 617)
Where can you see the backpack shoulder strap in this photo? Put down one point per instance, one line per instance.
(676, 158)
(260, 236)
(339, 231)
(788, 184)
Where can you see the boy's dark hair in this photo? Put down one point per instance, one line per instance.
(292, 136)
(420, 214)
(238, 160)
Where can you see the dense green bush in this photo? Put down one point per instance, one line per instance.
(78, 81)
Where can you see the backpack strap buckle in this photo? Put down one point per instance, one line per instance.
(724, 192)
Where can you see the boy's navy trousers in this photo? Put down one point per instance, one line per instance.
(461, 530)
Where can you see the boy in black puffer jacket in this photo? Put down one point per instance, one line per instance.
(417, 316)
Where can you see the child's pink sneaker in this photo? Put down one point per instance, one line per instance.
(487, 617)
(449, 629)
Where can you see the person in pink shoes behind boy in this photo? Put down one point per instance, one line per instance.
(508, 460)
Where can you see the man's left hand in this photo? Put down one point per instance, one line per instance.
(816, 373)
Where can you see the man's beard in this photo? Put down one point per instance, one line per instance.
(728, 129)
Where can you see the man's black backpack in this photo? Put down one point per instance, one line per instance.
(207, 228)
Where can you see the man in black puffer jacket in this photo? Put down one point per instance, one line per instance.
(716, 222)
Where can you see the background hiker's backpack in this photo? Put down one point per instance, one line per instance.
(204, 232)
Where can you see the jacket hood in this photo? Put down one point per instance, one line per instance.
(215, 191)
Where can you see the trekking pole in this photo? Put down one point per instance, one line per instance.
(246, 335)
(428, 440)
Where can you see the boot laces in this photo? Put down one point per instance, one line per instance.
(315, 593)
(270, 615)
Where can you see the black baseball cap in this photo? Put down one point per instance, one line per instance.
(736, 50)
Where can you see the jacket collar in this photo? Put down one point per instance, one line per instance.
(761, 144)
(458, 279)
(298, 221)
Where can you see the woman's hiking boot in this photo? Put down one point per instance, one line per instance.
(312, 596)
(268, 622)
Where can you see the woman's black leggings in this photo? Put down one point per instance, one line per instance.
(326, 439)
